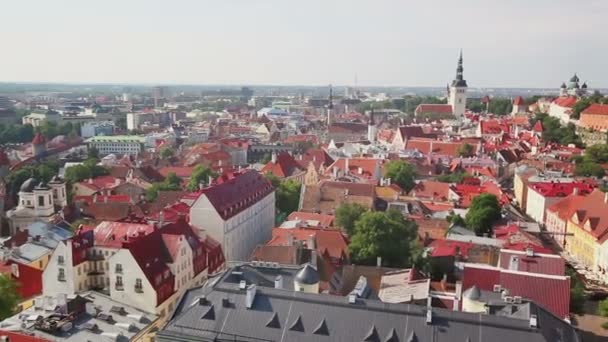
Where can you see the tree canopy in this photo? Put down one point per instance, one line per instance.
(387, 235)
(456, 177)
(9, 298)
(171, 183)
(589, 164)
(288, 196)
(200, 175)
(88, 169)
(347, 214)
(484, 211)
(553, 131)
(401, 173)
(166, 153)
(466, 150)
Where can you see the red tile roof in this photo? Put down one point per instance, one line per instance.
(113, 234)
(361, 167)
(431, 190)
(234, 192)
(566, 101)
(17, 337)
(594, 210)
(565, 207)
(347, 128)
(285, 166)
(101, 183)
(330, 241)
(317, 156)
(596, 109)
(538, 263)
(561, 189)
(434, 108)
(4, 161)
(324, 220)
(426, 146)
(443, 248)
(519, 101)
(301, 138)
(103, 199)
(549, 291)
(538, 127)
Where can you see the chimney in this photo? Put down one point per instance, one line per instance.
(458, 296)
(388, 182)
(290, 239)
(161, 219)
(95, 198)
(210, 180)
(313, 258)
(360, 170)
(606, 197)
(346, 165)
(251, 289)
(278, 282)
(575, 191)
(273, 158)
(335, 172)
(90, 180)
(379, 261)
(311, 242)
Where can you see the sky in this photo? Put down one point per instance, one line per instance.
(506, 43)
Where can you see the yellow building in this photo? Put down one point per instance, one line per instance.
(588, 229)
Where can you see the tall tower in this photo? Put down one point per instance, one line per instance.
(371, 128)
(330, 107)
(458, 91)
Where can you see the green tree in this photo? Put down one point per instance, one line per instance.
(456, 177)
(93, 152)
(171, 183)
(200, 175)
(9, 298)
(166, 153)
(597, 153)
(603, 308)
(580, 106)
(288, 196)
(401, 173)
(589, 169)
(500, 106)
(387, 235)
(465, 150)
(577, 292)
(77, 173)
(484, 211)
(346, 216)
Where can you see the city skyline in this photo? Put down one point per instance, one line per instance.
(267, 42)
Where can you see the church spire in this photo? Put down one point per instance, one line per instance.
(459, 81)
(330, 105)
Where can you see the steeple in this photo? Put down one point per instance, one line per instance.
(371, 117)
(459, 81)
(330, 106)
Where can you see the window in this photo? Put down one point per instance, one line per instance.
(118, 268)
(61, 275)
(60, 260)
(79, 270)
(41, 200)
(119, 285)
(138, 286)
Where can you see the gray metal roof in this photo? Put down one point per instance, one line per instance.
(307, 275)
(283, 315)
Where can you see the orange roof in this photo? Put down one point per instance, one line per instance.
(567, 101)
(593, 210)
(596, 109)
(285, 166)
(331, 241)
(324, 220)
(565, 207)
(357, 166)
(448, 148)
(431, 190)
(180, 171)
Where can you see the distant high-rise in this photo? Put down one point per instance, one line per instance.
(458, 91)
(158, 93)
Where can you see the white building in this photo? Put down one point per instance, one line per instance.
(118, 144)
(119, 259)
(238, 210)
(91, 129)
(38, 201)
(457, 96)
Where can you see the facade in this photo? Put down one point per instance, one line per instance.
(588, 226)
(595, 117)
(92, 129)
(237, 210)
(38, 201)
(117, 258)
(561, 108)
(117, 144)
(557, 216)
